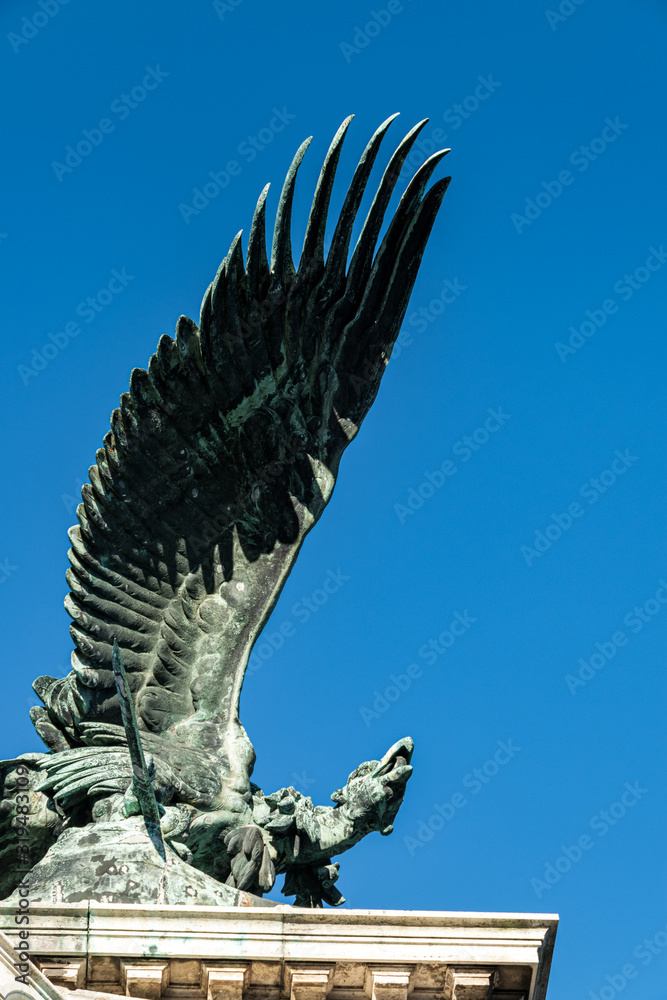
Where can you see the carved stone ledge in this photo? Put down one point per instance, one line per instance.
(98, 952)
(183, 979)
(68, 975)
(224, 982)
(388, 982)
(308, 982)
(144, 979)
(470, 982)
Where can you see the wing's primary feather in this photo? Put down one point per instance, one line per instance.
(223, 455)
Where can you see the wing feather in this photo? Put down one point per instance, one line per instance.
(224, 453)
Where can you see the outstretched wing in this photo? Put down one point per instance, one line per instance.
(223, 455)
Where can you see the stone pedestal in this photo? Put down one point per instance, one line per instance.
(94, 951)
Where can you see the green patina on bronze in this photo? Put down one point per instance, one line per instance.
(219, 461)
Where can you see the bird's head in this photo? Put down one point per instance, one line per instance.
(374, 791)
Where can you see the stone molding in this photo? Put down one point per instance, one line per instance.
(99, 951)
(39, 986)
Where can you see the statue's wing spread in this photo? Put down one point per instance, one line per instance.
(224, 453)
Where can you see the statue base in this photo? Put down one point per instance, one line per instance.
(96, 951)
(122, 865)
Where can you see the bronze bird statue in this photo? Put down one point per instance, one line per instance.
(220, 459)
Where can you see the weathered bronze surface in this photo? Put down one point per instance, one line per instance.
(219, 461)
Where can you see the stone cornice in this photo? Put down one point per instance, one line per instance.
(284, 953)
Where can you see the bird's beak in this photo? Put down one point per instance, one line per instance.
(403, 749)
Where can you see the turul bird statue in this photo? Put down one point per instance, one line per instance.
(220, 459)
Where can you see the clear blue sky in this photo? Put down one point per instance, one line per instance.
(556, 123)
